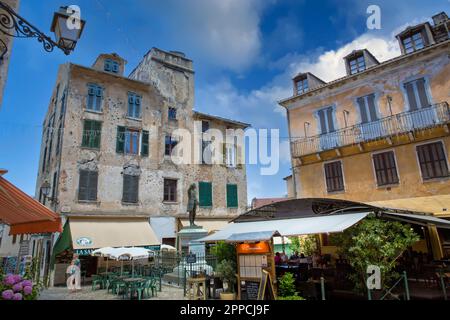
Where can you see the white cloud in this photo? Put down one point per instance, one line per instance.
(259, 105)
(226, 33)
(255, 107)
(330, 66)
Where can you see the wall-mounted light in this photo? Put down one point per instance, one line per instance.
(346, 113)
(305, 128)
(389, 101)
(46, 188)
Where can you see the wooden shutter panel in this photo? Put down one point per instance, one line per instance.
(330, 119)
(97, 134)
(411, 96)
(422, 93)
(92, 185)
(126, 188)
(362, 110)
(323, 126)
(83, 185)
(134, 192)
(232, 196)
(372, 109)
(205, 194)
(120, 140)
(145, 144)
(86, 133)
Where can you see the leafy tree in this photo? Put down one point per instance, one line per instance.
(375, 242)
(224, 251)
(304, 244)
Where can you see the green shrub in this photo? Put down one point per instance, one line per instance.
(294, 297)
(286, 287)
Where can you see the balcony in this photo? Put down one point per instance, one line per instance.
(403, 123)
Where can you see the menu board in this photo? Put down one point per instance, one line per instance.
(249, 290)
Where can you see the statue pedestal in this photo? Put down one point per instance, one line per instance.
(186, 245)
(188, 234)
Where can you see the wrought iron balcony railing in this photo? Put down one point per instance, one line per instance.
(401, 123)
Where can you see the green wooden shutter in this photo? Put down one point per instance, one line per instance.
(96, 134)
(92, 186)
(82, 185)
(120, 140)
(205, 194)
(145, 144)
(232, 196)
(86, 133)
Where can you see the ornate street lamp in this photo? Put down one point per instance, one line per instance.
(46, 188)
(14, 25)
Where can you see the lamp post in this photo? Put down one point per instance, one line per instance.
(66, 34)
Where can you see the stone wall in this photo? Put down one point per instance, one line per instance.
(162, 84)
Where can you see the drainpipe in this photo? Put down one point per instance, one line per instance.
(294, 178)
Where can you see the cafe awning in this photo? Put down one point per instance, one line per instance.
(84, 234)
(94, 233)
(244, 231)
(24, 214)
(420, 219)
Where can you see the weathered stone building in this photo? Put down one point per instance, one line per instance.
(107, 145)
(6, 43)
(381, 133)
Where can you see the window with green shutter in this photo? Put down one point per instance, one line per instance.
(232, 196)
(205, 194)
(91, 134)
(87, 186)
(130, 189)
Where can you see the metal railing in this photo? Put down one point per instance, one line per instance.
(401, 123)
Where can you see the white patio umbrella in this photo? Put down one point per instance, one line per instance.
(133, 253)
(105, 253)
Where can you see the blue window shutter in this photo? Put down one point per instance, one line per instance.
(107, 65)
(115, 67)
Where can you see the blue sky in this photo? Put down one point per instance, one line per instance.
(245, 53)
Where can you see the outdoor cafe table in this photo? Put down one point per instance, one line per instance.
(131, 284)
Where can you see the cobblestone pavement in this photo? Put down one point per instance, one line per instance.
(61, 293)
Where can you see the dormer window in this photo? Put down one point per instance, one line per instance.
(413, 43)
(111, 66)
(302, 85)
(357, 64)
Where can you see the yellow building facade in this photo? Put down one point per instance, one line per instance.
(381, 134)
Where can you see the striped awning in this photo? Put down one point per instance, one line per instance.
(24, 214)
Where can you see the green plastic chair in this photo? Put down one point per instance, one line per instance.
(141, 289)
(151, 288)
(96, 280)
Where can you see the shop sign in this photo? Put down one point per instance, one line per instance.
(253, 248)
(84, 241)
(84, 252)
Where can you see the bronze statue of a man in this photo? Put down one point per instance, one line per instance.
(192, 204)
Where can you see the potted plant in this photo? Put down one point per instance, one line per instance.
(226, 270)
